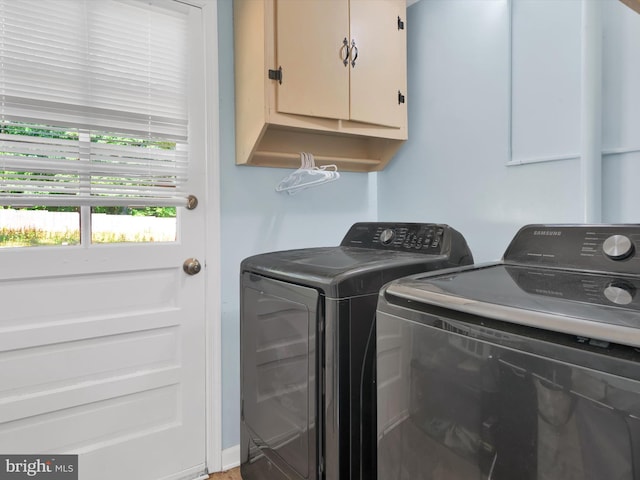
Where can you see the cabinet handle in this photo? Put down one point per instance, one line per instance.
(345, 45)
(354, 49)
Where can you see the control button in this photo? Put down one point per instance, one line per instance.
(618, 247)
(387, 236)
(620, 293)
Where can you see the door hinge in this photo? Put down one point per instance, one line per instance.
(400, 97)
(400, 24)
(276, 75)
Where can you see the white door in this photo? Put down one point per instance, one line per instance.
(102, 346)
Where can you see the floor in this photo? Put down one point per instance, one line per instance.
(233, 474)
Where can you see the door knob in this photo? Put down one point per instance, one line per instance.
(191, 266)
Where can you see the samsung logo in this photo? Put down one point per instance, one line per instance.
(548, 233)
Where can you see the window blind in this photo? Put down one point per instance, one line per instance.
(93, 103)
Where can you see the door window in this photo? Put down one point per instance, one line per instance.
(94, 122)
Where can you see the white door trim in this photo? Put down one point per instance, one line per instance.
(213, 303)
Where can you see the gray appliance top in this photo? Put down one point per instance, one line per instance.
(577, 279)
(371, 254)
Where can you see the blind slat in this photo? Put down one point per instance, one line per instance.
(95, 201)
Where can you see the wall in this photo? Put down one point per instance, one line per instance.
(453, 168)
(621, 124)
(255, 218)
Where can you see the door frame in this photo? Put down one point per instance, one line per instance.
(213, 302)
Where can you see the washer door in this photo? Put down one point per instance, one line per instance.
(485, 400)
(278, 356)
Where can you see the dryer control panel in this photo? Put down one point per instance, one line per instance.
(598, 248)
(429, 238)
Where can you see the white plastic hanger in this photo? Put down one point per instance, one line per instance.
(308, 175)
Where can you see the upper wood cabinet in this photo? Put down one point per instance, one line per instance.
(337, 86)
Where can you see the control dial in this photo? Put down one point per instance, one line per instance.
(618, 247)
(387, 236)
(620, 293)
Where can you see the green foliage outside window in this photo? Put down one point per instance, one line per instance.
(161, 212)
(11, 128)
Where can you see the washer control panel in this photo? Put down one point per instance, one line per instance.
(409, 237)
(604, 248)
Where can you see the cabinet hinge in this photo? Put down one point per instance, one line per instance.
(276, 75)
(400, 97)
(400, 24)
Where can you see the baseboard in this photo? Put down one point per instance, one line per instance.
(231, 457)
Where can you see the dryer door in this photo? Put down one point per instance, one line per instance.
(278, 322)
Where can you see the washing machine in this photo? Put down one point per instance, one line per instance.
(527, 368)
(307, 329)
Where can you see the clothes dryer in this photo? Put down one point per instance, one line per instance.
(307, 387)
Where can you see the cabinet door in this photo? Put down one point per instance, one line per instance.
(380, 69)
(309, 48)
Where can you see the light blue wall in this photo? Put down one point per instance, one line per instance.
(453, 168)
(621, 105)
(255, 218)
